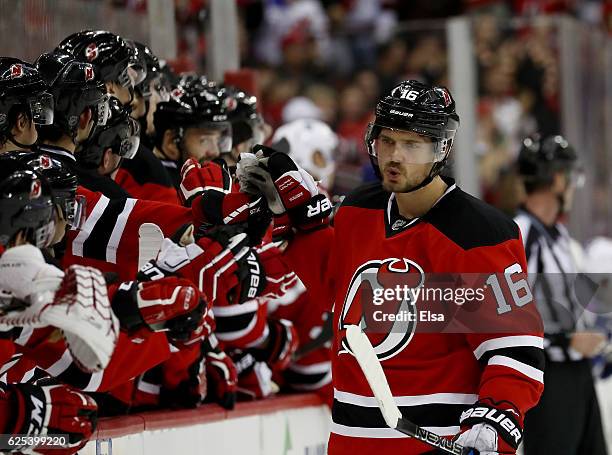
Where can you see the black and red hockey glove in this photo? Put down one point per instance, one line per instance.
(211, 262)
(216, 208)
(170, 304)
(279, 346)
(56, 409)
(184, 379)
(221, 375)
(490, 429)
(197, 178)
(254, 377)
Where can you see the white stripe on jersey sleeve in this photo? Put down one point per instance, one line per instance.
(414, 400)
(514, 341)
(250, 306)
(61, 365)
(89, 225)
(386, 433)
(527, 370)
(115, 237)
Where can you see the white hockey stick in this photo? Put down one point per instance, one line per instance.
(150, 238)
(370, 365)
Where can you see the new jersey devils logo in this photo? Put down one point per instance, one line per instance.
(89, 73)
(91, 52)
(16, 70)
(36, 189)
(45, 161)
(366, 299)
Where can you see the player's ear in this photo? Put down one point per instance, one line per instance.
(106, 158)
(85, 118)
(170, 146)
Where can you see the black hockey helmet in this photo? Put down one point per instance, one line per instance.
(149, 61)
(426, 110)
(247, 123)
(112, 57)
(26, 204)
(121, 134)
(540, 158)
(21, 86)
(63, 182)
(75, 87)
(192, 105)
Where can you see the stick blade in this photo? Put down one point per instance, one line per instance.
(150, 238)
(370, 365)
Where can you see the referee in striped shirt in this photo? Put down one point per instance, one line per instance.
(567, 419)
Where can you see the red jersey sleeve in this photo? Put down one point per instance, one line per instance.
(505, 333)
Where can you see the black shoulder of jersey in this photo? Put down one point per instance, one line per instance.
(470, 222)
(105, 185)
(145, 167)
(368, 196)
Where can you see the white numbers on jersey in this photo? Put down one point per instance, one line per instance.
(519, 289)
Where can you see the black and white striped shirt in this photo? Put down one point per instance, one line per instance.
(553, 271)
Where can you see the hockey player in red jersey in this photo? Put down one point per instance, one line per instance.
(413, 223)
(145, 177)
(35, 297)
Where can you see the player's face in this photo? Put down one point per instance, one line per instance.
(60, 225)
(404, 158)
(120, 92)
(201, 144)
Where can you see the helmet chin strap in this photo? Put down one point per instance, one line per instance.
(12, 139)
(561, 200)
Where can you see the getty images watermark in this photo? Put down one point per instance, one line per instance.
(387, 302)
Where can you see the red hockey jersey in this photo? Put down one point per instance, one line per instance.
(111, 239)
(433, 376)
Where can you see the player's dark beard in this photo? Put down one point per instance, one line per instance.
(411, 181)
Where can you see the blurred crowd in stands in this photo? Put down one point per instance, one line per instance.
(329, 59)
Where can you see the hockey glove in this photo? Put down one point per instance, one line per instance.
(221, 375)
(286, 187)
(254, 378)
(31, 282)
(278, 348)
(211, 262)
(197, 178)
(490, 430)
(39, 410)
(169, 304)
(82, 310)
(184, 379)
(214, 208)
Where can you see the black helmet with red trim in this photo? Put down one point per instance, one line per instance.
(22, 90)
(26, 204)
(75, 86)
(426, 110)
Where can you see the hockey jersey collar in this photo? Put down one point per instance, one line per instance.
(54, 150)
(395, 223)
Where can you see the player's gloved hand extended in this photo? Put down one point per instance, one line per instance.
(169, 304)
(254, 377)
(215, 208)
(279, 346)
(197, 178)
(221, 375)
(82, 310)
(39, 410)
(30, 282)
(291, 192)
(75, 301)
(490, 430)
(211, 262)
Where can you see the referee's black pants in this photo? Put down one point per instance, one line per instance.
(566, 421)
